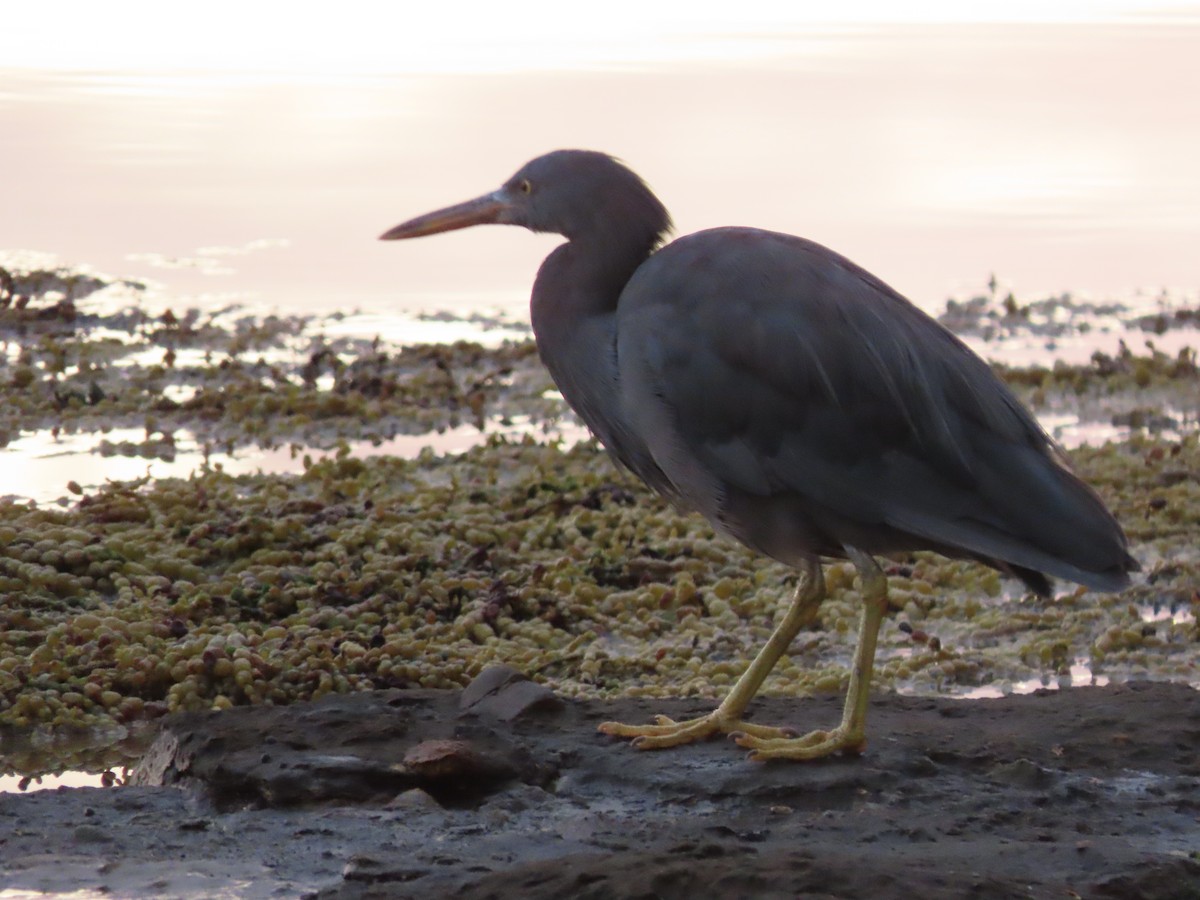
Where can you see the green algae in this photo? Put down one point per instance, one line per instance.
(218, 590)
(140, 598)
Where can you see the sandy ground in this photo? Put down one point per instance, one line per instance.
(504, 790)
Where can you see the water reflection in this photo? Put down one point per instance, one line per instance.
(24, 784)
(1079, 675)
(39, 466)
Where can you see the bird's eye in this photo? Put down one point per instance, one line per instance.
(526, 187)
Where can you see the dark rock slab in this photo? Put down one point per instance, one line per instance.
(357, 748)
(503, 693)
(1091, 792)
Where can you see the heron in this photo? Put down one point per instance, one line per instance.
(797, 402)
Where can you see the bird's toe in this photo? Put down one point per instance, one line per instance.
(814, 745)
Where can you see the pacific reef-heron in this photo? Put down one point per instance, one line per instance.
(797, 402)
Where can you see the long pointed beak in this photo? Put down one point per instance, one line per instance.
(486, 210)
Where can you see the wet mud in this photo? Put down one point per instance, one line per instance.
(505, 790)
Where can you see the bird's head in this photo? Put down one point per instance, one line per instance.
(580, 194)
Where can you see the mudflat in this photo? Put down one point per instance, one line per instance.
(504, 789)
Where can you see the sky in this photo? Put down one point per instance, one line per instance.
(352, 37)
(257, 149)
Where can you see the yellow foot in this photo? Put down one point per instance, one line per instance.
(667, 732)
(813, 745)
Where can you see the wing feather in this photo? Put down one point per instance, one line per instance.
(766, 366)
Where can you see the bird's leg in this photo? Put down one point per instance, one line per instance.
(851, 735)
(727, 718)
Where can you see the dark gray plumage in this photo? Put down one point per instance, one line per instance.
(796, 401)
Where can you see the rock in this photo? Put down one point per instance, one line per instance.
(414, 799)
(503, 693)
(444, 759)
(1023, 773)
(92, 834)
(459, 771)
(357, 748)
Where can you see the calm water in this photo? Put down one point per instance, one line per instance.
(1060, 157)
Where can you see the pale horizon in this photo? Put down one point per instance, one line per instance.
(1057, 157)
(359, 38)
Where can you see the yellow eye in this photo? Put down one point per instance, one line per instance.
(526, 187)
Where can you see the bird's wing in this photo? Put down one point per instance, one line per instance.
(765, 365)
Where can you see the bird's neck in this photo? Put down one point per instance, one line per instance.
(576, 280)
(573, 311)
